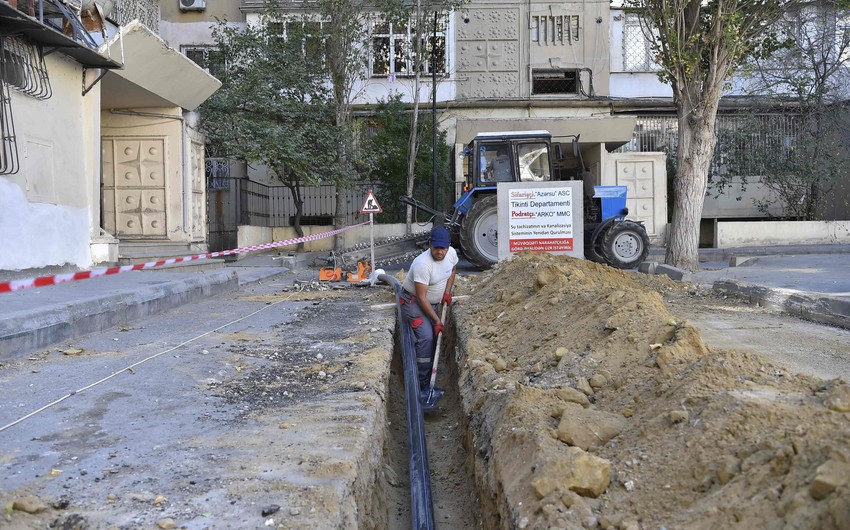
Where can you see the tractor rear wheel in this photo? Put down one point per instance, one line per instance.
(479, 233)
(625, 245)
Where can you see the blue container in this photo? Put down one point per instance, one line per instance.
(613, 199)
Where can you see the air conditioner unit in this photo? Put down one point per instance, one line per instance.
(192, 5)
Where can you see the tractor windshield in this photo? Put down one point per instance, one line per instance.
(533, 162)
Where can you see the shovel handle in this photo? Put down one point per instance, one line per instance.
(437, 348)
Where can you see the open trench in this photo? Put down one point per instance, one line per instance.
(453, 489)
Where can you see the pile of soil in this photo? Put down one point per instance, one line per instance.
(591, 406)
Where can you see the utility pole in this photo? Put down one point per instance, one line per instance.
(434, 115)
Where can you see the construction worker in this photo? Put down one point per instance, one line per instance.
(427, 285)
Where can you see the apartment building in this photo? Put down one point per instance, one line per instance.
(100, 159)
(502, 65)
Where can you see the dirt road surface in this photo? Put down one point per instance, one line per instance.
(578, 396)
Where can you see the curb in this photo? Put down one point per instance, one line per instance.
(817, 308)
(24, 332)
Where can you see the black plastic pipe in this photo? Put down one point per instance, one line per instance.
(421, 503)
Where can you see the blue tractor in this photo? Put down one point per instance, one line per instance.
(528, 157)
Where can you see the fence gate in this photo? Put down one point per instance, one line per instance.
(222, 206)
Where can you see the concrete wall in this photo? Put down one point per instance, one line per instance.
(495, 53)
(758, 233)
(45, 208)
(169, 11)
(738, 200)
(194, 28)
(253, 235)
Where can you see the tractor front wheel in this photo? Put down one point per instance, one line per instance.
(625, 245)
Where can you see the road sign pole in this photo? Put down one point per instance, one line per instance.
(372, 239)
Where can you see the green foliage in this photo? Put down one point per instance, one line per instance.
(273, 107)
(388, 143)
(805, 168)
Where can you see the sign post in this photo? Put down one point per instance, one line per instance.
(371, 206)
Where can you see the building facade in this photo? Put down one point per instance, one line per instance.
(101, 160)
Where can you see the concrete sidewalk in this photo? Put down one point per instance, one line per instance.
(812, 282)
(35, 319)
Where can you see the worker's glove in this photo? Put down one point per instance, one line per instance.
(438, 328)
(447, 298)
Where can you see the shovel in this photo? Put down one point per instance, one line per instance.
(429, 402)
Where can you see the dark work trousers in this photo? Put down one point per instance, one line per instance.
(423, 333)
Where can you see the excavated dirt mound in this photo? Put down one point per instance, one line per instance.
(591, 406)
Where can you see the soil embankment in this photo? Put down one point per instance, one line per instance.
(591, 406)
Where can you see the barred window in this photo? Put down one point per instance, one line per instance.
(554, 82)
(637, 55)
(392, 48)
(551, 30)
(209, 58)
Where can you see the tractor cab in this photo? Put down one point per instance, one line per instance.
(507, 157)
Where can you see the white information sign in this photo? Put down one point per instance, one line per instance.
(541, 220)
(541, 217)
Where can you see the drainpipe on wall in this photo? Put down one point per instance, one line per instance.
(187, 181)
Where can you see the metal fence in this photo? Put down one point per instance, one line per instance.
(258, 204)
(735, 132)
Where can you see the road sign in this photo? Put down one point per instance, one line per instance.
(370, 205)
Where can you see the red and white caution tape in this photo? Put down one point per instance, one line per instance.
(42, 281)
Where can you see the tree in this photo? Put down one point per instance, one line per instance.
(345, 32)
(422, 21)
(389, 146)
(273, 107)
(699, 45)
(803, 166)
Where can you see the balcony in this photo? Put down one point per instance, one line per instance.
(59, 26)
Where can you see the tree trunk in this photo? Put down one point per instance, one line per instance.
(696, 146)
(295, 189)
(413, 144)
(339, 218)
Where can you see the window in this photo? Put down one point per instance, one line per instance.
(392, 48)
(494, 163)
(209, 58)
(22, 67)
(637, 54)
(533, 162)
(309, 31)
(551, 30)
(554, 82)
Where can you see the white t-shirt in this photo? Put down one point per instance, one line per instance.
(434, 274)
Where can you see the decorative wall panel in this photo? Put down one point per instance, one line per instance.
(134, 195)
(488, 54)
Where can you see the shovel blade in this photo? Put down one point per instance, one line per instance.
(431, 398)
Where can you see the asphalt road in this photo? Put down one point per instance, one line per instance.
(193, 432)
